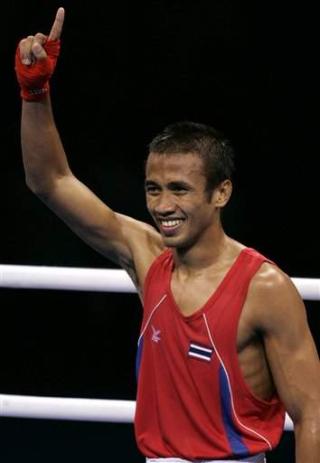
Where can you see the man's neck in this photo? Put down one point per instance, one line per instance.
(206, 254)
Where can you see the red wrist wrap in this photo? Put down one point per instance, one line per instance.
(34, 78)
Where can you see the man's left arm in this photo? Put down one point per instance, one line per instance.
(292, 357)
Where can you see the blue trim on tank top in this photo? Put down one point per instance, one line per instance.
(234, 438)
(138, 357)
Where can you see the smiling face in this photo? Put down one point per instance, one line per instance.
(178, 201)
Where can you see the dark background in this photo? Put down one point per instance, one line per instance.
(126, 70)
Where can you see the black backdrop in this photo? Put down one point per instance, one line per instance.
(126, 70)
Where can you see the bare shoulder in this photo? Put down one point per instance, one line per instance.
(271, 281)
(273, 298)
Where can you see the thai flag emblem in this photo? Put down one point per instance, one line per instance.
(200, 352)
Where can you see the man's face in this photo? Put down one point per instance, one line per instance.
(176, 198)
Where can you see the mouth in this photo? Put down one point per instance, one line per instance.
(170, 227)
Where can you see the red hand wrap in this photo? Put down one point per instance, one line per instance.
(34, 78)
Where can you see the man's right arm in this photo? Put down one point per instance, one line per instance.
(49, 176)
(130, 243)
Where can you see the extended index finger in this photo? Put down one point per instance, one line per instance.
(56, 28)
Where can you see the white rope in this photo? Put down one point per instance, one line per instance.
(109, 280)
(288, 425)
(65, 278)
(309, 288)
(62, 408)
(57, 408)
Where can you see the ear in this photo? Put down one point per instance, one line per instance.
(222, 193)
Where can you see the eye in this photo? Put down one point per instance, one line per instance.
(152, 189)
(179, 189)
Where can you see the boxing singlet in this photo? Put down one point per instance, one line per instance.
(192, 400)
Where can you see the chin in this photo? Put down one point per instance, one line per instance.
(175, 242)
(171, 241)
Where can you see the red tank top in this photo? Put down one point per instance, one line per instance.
(192, 400)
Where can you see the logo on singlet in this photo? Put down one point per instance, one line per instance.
(155, 334)
(200, 352)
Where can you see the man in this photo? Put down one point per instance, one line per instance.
(225, 346)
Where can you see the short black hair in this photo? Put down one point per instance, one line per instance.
(210, 144)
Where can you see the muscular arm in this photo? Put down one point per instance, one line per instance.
(130, 243)
(291, 355)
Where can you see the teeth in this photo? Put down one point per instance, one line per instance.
(170, 223)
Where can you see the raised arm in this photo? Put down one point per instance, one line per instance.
(291, 355)
(129, 242)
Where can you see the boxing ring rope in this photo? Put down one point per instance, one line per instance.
(84, 279)
(75, 409)
(65, 278)
(107, 280)
(62, 408)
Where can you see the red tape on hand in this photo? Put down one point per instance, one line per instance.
(34, 78)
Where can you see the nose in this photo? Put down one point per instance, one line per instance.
(164, 204)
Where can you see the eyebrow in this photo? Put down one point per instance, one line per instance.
(150, 183)
(179, 184)
(170, 185)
